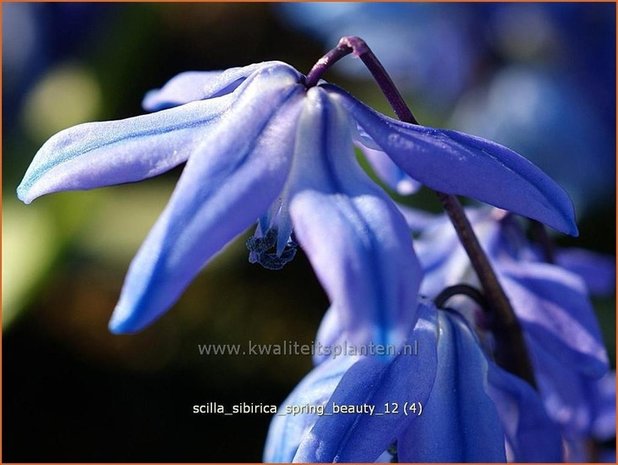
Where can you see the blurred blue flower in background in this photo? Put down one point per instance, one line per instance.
(547, 117)
(538, 89)
(553, 307)
(434, 51)
(36, 36)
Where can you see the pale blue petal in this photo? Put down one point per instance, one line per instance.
(183, 88)
(531, 435)
(460, 422)
(408, 378)
(419, 220)
(236, 173)
(444, 260)
(198, 85)
(597, 270)
(287, 428)
(458, 163)
(99, 154)
(393, 176)
(552, 306)
(563, 390)
(356, 240)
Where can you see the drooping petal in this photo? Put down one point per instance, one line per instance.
(231, 179)
(288, 426)
(198, 85)
(597, 270)
(458, 163)
(531, 435)
(407, 379)
(553, 308)
(99, 154)
(389, 172)
(356, 240)
(459, 421)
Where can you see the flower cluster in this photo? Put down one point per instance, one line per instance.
(573, 404)
(262, 146)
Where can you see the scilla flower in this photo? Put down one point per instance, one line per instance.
(473, 410)
(260, 144)
(551, 302)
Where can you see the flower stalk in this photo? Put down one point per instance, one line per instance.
(511, 352)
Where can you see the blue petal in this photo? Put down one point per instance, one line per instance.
(339, 437)
(330, 333)
(419, 220)
(389, 172)
(597, 270)
(233, 177)
(460, 422)
(198, 85)
(99, 154)
(458, 163)
(287, 429)
(553, 308)
(357, 241)
(531, 435)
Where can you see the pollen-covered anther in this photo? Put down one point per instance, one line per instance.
(263, 250)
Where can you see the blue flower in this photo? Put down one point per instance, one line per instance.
(550, 301)
(471, 409)
(259, 145)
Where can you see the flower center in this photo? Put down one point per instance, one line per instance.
(268, 252)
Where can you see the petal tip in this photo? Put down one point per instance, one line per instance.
(569, 226)
(122, 322)
(148, 102)
(24, 195)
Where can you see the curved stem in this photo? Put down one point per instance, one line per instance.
(460, 289)
(358, 47)
(511, 352)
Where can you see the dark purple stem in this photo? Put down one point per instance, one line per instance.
(358, 47)
(511, 352)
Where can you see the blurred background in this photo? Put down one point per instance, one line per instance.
(539, 78)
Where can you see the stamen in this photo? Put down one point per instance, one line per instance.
(263, 250)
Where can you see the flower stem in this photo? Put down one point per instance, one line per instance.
(511, 352)
(460, 289)
(358, 47)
